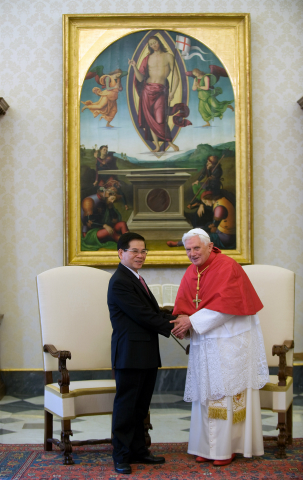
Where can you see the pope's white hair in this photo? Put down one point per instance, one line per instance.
(204, 237)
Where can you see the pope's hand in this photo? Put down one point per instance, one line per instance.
(182, 324)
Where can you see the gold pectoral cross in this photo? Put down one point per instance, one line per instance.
(197, 299)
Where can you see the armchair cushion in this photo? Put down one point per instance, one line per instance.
(276, 398)
(75, 317)
(87, 397)
(275, 287)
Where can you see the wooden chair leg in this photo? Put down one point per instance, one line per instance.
(282, 437)
(289, 425)
(65, 441)
(147, 426)
(48, 430)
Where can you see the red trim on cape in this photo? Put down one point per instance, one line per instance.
(224, 287)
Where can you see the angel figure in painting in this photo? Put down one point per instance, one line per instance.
(155, 93)
(209, 107)
(106, 106)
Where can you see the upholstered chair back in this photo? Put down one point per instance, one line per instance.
(74, 316)
(275, 287)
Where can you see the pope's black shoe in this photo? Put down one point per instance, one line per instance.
(123, 468)
(148, 458)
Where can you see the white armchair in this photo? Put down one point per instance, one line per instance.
(275, 287)
(75, 325)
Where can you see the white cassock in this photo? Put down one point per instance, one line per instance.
(226, 368)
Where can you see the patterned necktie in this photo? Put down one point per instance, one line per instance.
(144, 285)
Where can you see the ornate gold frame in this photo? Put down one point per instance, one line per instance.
(85, 36)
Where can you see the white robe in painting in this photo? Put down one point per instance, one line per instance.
(227, 357)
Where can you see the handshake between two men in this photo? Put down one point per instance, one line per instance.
(182, 326)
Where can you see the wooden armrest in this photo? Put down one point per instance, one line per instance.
(57, 353)
(284, 370)
(62, 356)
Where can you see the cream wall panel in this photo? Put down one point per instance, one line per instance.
(31, 197)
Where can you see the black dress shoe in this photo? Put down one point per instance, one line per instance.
(122, 467)
(149, 459)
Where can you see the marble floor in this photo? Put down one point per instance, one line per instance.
(21, 420)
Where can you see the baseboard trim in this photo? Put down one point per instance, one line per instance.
(27, 383)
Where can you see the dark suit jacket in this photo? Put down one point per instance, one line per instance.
(136, 320)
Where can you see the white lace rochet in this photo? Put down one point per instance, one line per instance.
(225, 366)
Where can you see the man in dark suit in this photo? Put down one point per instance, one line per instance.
(137, 321)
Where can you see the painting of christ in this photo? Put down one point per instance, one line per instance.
(167, 105)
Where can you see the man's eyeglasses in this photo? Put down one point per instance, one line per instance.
(136, 252)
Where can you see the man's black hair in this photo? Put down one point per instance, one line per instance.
(124, 240)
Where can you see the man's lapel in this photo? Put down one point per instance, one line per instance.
(139, 284)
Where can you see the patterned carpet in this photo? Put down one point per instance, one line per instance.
(95, 463)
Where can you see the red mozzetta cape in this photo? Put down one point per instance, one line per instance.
(224, 287)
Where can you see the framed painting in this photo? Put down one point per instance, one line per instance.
(157, 134)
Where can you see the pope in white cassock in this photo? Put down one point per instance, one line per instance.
(227, 362)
